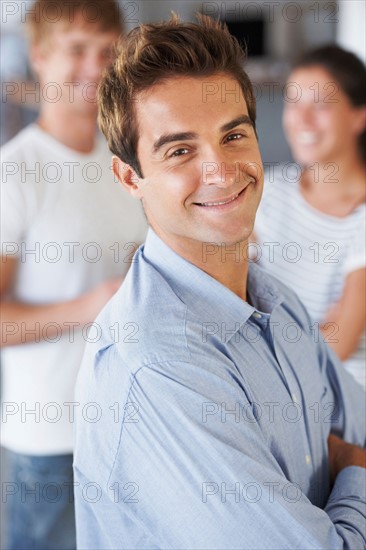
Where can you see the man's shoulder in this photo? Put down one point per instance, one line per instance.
(145, 321)
(141, 329)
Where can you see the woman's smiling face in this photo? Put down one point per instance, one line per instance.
(322, 124)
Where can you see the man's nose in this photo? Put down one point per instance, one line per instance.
(218, 169)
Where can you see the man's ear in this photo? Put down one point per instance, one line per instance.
(127, 177)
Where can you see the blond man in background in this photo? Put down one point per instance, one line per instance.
(68, 236)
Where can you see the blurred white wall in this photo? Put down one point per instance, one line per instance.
(351, 29)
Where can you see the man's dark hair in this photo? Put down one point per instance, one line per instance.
(153, 53)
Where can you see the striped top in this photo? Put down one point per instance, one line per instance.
(308, 250)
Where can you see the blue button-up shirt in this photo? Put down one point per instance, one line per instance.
(203, 420)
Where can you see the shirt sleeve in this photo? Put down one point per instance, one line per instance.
(343, 395)
(348, 421)
(15, 209)
(207, 478)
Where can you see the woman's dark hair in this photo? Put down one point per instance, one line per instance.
(347, 70)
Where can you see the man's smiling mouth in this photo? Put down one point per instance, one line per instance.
(222, 201)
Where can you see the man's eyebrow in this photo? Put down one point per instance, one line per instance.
(169, 138)
(243, 119)
(182, 136)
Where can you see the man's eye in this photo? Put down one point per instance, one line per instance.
(179, 152)
(234, 137)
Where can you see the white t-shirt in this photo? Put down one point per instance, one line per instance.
(71, 226)
(308, 250)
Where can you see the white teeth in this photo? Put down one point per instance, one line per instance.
(307, 137)
(218, 203)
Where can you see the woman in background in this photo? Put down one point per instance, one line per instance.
(311, 222)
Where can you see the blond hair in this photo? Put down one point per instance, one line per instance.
(45, 14)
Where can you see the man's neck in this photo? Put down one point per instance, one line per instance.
(228, 264)
(74, 130)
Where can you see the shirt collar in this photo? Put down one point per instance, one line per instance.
(202, 293)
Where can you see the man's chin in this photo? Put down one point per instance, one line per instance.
(223, 238)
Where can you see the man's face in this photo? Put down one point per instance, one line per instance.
(202, 170)
(70, 61)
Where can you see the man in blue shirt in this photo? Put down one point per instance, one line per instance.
(210, 413)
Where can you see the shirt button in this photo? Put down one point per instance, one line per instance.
(257, 315)
(307, 459)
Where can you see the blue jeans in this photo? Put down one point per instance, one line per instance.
(38, 501)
